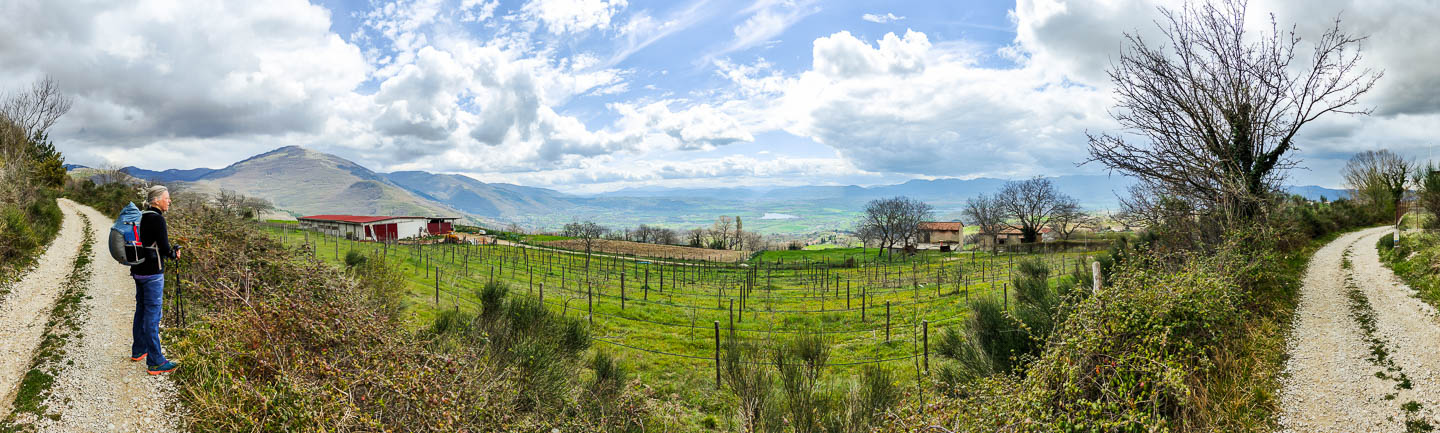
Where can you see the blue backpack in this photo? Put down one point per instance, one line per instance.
(125, 236)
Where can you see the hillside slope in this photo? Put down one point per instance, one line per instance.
(496, 200)
(307, 182)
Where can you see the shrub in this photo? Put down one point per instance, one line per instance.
(610, 376)
(354, 258)
(876, 394)
(742, 366)
(492, 298)
(800, 361)
(971, 363)
(996, 334)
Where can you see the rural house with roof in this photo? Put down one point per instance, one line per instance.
(942, 235)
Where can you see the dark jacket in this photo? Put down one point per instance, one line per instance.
(156, 239)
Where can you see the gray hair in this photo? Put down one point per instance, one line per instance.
(154, 193)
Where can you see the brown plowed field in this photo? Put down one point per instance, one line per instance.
(652, 250)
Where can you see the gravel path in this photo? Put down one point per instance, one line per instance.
(1408, 324)
(1330, 385)
(26, 309)
(103, 390)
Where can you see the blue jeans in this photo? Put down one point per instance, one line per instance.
(149, 296)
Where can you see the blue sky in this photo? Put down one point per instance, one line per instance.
(599, 95)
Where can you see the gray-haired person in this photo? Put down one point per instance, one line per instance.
(150, 282)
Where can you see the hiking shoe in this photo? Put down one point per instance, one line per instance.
(164, 368)
(138, 357)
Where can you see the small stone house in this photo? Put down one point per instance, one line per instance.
(943, 235)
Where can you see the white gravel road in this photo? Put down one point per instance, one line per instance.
(103, 390)
(97, 388)
(25, 310)
(1330, 386)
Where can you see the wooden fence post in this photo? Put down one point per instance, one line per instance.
(1095, 273)
(925, 327)
(887, 321)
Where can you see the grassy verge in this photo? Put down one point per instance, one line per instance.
(25, 230)
(62, 326)
(1413, 260)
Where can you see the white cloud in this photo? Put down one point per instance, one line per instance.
(881, 19)
(574, 16)
(768, 19)
(141, 70)
(905, 105)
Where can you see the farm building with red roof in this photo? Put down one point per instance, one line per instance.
(377, 228)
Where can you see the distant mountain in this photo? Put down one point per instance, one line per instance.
(1312, 192)
(494, 200)
(1091, 191)
(73, 166)
(308, 182)
(171, 175)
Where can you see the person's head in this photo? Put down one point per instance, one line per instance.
(158, 197)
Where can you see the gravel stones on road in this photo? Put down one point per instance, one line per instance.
(1329, 384)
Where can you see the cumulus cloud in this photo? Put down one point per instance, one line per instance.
(905, 105)
(139, 70)
(881, 19)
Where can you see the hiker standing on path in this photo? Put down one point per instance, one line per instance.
(150, 281)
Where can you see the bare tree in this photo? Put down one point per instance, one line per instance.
(739, 234)
(722, 231)
(696, 237)
(1378, 179)
(752, 241)
(1029, 204)
(1067, 218)
(893, 220)
(36, 109)
(1427, 184)
(666, 236)
(27, 157)
(1220, 113)
(588, 232)
(985, 213)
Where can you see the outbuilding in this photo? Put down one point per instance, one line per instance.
(377, 228)
(941, 234)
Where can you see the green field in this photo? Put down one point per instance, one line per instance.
(666, 329)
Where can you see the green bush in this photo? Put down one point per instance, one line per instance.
(354, 258)
(997, 335)
(492, 299)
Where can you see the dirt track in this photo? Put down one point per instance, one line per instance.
(97, 387)
(1331, 383)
